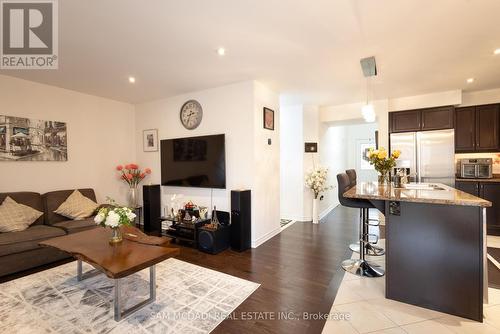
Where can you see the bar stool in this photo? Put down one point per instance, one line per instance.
(358, 267)
(370, 248)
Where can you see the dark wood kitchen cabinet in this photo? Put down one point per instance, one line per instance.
(468, 187)
(422, 119)
(489, 191)
(405, 121)
(437, 118)
(477, 129)
(487, 128)
(465, 129)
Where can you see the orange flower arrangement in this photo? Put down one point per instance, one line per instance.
(131, 174)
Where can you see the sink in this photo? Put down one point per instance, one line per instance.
(423, 186)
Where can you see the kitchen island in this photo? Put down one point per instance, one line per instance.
(435, 246)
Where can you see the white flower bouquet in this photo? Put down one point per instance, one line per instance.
(114, 217)
(316, 180)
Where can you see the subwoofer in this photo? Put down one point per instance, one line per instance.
(151, 196)
(213, 241)
(241, 220)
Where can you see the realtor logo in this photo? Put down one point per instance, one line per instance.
(29, 34)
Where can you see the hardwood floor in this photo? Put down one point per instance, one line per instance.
(299, 271)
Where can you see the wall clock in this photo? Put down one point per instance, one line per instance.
(191, 114)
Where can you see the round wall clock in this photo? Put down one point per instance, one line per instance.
(191, 114)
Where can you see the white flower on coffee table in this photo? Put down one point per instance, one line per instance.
(114, 216)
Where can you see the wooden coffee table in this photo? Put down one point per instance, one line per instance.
(116, 261)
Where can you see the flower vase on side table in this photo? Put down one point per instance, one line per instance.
(132, 197)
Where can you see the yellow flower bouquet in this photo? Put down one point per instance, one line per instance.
(382, 162)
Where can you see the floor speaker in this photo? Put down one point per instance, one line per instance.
(241, 220)
(151, 196)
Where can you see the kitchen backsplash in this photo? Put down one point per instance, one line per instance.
(494, 156)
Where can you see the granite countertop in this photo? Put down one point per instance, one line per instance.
(450, 196)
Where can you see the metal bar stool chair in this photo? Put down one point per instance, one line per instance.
(359, 267)
(370, 248)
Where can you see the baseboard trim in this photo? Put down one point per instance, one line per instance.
(327, 211)
(259, 241)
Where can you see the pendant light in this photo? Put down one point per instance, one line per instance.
(369, 68)
(367, 111)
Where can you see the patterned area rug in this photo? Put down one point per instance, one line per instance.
(190, 299)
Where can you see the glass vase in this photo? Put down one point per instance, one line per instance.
(116, 235)
(132, 197)
(383, 179)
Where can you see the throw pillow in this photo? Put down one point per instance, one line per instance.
(77, 206)
(15, 217)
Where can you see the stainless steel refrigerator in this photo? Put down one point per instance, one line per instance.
(430, 155)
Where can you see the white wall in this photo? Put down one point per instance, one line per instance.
(266, 185)
(100, 136)
(340, 151)
(234, 110)
(300, 124)
(311, 134)
(357, 134)
(292, 163)
(480, 97)
(333, 154)
(351, 114)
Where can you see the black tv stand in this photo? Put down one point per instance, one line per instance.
(184, 231)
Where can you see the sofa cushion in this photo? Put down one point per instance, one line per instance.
(77, 206)
(17, 242)
(30, 199)
(15, 217)
(52, 200)
(74, 226)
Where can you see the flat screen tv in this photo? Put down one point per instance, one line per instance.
(194, 162)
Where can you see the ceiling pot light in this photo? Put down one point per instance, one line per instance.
(221, 51)
(496, 52)
(131, 79)
(470, 80)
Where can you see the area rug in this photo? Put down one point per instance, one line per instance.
(190, 299)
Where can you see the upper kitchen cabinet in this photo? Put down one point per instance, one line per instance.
(437, 118)
(465, 129)
(405, 121)
(477, 129)
(487, 128)
(422, 119)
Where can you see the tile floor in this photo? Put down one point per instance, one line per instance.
(370, 312)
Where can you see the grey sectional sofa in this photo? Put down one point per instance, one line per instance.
(20, 251)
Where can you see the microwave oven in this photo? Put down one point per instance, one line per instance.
(476, 168)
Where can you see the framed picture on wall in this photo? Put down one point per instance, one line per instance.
(150, 140)
(27, 139)
(268, 119)
(364, 151)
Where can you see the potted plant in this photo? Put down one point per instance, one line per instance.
(316, 181)
(114, 217)
(383, 163)
(133, 175)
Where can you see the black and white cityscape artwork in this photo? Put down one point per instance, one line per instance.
(24, 139)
